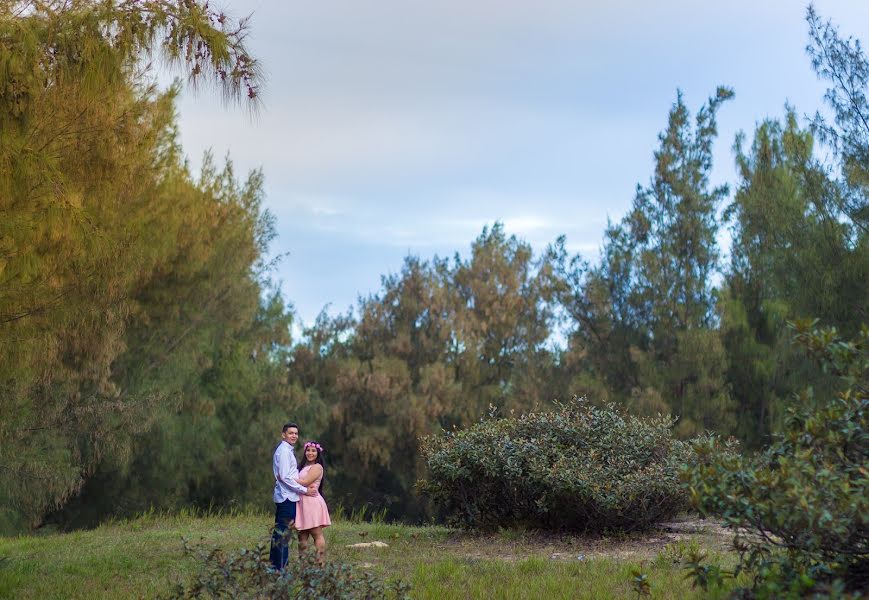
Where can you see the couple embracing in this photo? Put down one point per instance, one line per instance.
(298, 502)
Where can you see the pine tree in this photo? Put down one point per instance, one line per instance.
(646, 315)
(104, 238)
(800, 244)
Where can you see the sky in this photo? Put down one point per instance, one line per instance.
(392, 128)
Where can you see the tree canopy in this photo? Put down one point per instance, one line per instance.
(146, 360)
(117, 268)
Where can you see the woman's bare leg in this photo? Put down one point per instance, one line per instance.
(320, 542)
(303, 541)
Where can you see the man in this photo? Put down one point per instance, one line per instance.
(287, 491)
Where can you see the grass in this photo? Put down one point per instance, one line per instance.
(143, 557)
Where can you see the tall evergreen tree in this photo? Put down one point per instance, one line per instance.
(843, 63)
(646, 315)
(106, 243)
(800, 245)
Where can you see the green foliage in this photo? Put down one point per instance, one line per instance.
(789, 242)
(578, 467)
(677, 551)
(199, 452)
(249, 574)
(800, 510)
(644, 317)
(142, 357)
(640, 584)
(704, 575)
(800, 244)
(119, 273)
(437, 345)
(90, 46)
(843, 63)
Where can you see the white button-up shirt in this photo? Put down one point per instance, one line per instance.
(286, 470)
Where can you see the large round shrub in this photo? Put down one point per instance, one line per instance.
(578, 467)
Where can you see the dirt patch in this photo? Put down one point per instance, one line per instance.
(513, 545)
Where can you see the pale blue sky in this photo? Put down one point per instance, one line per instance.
(403, 127)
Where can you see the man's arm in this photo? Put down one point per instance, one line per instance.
(288, 473)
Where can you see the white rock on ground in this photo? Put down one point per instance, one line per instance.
(369, 545)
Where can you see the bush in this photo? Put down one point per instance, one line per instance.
(800, 510)
(249, 574)
(579, 467)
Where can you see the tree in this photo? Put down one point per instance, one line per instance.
(799, 239)
(199, 451)
(435, 348)
(504, 315)
(646, 315)
(107, 243)
(843, 63)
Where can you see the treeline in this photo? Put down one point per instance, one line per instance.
(445, 340)
(121, 276)
(145, 361)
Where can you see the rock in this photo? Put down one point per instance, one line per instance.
(369, 545)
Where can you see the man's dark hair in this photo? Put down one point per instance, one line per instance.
(288, 425)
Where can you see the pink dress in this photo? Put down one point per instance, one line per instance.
(311, 511)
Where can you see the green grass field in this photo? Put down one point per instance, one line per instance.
(144, 557)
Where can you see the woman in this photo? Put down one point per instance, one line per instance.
(312, 515)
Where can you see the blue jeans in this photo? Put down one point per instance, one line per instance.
(279, 554)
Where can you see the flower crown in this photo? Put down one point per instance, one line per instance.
(313, 445)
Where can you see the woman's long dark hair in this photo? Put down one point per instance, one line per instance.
(319, 461)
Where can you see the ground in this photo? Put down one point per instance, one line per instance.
(516, 545)
(144, 557)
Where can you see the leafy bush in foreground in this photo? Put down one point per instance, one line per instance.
(800, 511)
(579, 467)
(249, 574)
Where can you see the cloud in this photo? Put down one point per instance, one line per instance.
(528, 224)
(324, 211)
(405, 126)
(446, 222)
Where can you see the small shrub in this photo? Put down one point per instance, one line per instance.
(578, 467)
(249, 574)
(705, 576)
(800, 510)
(677, 553)
(640, 584)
